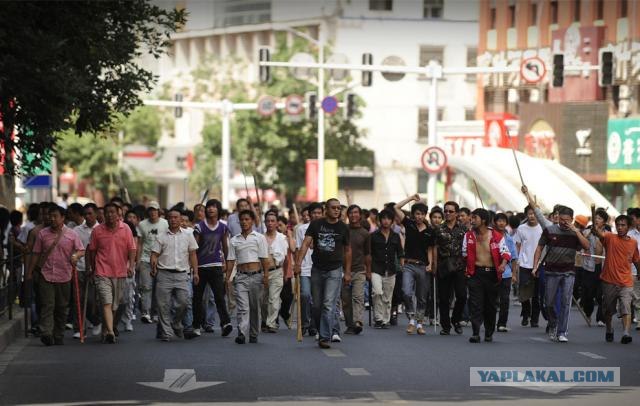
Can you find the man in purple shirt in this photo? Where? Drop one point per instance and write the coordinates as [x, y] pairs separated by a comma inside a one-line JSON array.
[[55, 252]]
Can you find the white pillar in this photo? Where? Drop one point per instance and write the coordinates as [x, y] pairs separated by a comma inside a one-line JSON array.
[[435, 73], [321, 196]]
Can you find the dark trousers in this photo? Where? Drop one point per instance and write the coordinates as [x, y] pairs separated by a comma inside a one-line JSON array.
[[54, 299], [286, 295], [453, 282], [397, 298], [215, 278], [592, 292], [503, 296], [531, 305], [483, 301]]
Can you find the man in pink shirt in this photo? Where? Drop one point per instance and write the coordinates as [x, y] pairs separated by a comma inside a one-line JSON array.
[[55, 252], [112, 255]]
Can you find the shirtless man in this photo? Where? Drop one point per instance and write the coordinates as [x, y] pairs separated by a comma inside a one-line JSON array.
[[487, 256]]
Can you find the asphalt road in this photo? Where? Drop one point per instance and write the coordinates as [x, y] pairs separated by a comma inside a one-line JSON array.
[[378, 366]]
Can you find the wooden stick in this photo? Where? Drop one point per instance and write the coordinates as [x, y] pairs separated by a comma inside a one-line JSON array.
[[584, 315], [255, 184], [478, 193], [84, 305], [204, 196], [78, 309], [515, 157], [298, 310], [584, 254]]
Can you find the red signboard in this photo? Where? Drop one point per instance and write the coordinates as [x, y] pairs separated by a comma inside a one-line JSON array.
[[495, 130], [312, 180]]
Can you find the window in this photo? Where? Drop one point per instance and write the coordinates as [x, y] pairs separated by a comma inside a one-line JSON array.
[[428, 53], [470, 114], [380, 5], [423, 123], [553, 9], [624, 8], [472, 61], [492, 18], [599, 9], [576, 10], [433, 8], [512, 16], [423, 179], [533, 15]]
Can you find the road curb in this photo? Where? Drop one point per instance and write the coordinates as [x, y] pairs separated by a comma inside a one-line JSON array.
[[10, 330]]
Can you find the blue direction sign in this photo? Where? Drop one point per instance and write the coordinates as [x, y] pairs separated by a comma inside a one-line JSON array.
[[37, 181], [330, 104]]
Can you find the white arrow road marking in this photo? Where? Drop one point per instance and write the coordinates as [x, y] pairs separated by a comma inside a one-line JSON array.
[[356, 371], [179, 381], [592, 355]]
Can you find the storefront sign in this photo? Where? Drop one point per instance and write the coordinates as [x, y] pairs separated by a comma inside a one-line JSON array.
[[623, 150]]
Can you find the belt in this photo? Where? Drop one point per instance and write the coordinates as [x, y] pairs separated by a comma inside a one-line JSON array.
[[486, 268], [171, 270], [249, 272], [413, 262], [275, 268]]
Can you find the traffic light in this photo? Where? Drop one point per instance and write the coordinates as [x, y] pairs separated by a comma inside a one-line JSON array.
[[177, 112], [265, 71], [312, 109], [605, 71], [367, 75], [558, 70], [350, 107]]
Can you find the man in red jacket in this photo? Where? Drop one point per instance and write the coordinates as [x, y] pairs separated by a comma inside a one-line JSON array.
[[487, 255]]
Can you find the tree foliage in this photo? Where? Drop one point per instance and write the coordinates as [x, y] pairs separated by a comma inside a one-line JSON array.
[[73, 59], [275, 147]]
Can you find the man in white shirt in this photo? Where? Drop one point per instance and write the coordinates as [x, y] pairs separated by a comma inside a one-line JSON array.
[[526, 239], [173, 258], [315, 213], [84, 231], [277, 246], [634, 232], [250, 251]]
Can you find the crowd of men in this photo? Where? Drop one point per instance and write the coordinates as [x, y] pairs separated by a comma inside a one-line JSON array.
[[450, 266]]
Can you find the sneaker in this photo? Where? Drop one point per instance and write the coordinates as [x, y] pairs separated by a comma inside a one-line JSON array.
[[421, 331], [76, 335], [271, 330], [394, 319], [553, 336], [488, 339], [226, 330], [191, 334], [110, 338], [358, 328], [178, 332], [608, 337], [524, 322], [600, 324], [324, 344], [534, 325], [317, 336], [240, 339], [146, 319], [385, 326], [378, 324], [474, 339], [350, 331], [457, 328], [253, 340], [97, 330], [336, 338], [313, 332], [68, 326], [563, 338], [502, 329], [411, 329], [444, 332], [46, 340], [128, 326], [209, 329], [626, 339]]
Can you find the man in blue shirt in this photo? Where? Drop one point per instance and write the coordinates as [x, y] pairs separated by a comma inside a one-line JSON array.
[[500, 221]]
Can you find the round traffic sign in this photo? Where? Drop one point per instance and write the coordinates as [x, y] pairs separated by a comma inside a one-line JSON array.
[[266, 106], [294, 105], [532, 70], [330, 104], [434, 160]]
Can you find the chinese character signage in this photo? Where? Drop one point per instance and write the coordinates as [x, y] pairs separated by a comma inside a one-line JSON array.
[[623, 150]]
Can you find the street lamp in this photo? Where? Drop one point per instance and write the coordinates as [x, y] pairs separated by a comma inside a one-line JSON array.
[[320, 42]]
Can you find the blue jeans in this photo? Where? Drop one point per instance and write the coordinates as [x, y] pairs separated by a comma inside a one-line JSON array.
[[415, 282], [325, 288], [558, 284], [305, 301]]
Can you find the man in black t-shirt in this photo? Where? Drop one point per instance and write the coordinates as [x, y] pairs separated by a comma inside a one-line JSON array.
[[417, 263], [329, 238]]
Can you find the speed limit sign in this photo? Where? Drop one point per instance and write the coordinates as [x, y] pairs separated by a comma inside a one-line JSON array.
[[434, 160], [266, 106]]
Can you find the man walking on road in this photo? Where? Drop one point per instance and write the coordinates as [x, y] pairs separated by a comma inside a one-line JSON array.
[[250, 251], [526, 239], [450, 268], [55, 252], [331, 255], [417, 263], [617, 279], [212, 237], [509, 276], [278, 247], [150, 229], [173, 258], [487, 256], [308, 325], [386, 249], [353, 295], [112, 255], [563, 240]]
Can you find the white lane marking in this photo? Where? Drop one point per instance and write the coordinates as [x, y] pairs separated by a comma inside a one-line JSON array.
[[334, 353], [592, 355], [386, 396], [180, 381], [357, 371], [544, 340]]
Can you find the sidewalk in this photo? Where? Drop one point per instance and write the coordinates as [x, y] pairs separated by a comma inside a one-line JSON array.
[[11, 329]]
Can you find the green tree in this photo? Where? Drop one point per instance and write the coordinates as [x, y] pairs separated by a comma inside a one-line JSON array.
[[277, 147], [71, 59]]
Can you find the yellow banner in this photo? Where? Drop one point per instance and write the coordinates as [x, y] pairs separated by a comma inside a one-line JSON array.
[[330, 178], [623, 175]]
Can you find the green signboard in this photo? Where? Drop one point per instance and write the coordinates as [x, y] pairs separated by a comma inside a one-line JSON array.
[[623, 150]]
